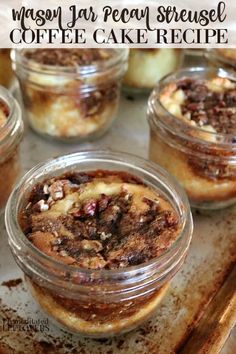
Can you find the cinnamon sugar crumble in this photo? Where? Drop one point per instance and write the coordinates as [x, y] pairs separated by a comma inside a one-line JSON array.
[[68, 57], [106, 230]]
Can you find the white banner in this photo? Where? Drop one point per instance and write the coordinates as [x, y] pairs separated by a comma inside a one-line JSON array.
[[117, 23]]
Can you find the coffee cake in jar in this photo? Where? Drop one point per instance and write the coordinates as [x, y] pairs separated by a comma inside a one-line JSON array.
[[103, 234], [70, 94], [192, 117]]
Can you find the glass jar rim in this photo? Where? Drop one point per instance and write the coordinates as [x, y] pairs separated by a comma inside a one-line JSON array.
[[18, 238], [14, 121], [225, 141], [120, 55]]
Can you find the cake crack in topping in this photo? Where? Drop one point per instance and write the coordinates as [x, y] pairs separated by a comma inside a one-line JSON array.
[[68, 57], [209, 104], [99, 219]]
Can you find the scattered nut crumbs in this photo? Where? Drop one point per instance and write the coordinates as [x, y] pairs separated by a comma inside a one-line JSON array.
[[12, 283]]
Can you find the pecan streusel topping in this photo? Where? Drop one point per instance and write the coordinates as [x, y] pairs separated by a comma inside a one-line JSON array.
[[68, 57], [209, 104], [99, 219]]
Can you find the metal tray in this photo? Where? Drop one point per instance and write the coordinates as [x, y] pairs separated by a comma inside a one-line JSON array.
[[199, 310]]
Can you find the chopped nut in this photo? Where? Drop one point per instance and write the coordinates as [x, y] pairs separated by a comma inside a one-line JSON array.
[[96, 262], [90, 207], [91, 245], [43, 206], [63, 253], [56, 190], [57, 241], [157, 201], [103, 202], [104, 236], [127, 197]]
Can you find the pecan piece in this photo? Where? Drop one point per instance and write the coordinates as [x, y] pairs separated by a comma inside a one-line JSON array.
[[103, 202], [91, 245], [90, 207], [41, 205], [56, 190]]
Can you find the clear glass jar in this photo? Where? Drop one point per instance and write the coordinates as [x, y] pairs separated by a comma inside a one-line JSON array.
[[222, 57], [147, 66], [203, 162], [71, 103], [6, 73], [100, 302], [10, 137]]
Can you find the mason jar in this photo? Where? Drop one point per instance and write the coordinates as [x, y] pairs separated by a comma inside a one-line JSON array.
[[99, 302], [147, 66], [222, 57], [70, 94], [11, 132], [202, 159]]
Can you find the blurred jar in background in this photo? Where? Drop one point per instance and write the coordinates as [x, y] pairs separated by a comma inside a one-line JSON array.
[[223, 57], [147, 66], [70, 94]]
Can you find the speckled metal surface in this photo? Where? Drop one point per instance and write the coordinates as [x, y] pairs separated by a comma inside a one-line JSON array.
[[207, 266]]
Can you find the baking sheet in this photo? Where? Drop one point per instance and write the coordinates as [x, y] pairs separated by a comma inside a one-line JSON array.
[[207, 267]]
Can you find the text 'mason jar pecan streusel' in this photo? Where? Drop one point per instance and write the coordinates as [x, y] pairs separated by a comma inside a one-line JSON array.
[[11, 132], [192, 117], [147, 66], [99, 235], [6, 73], [70, 94]]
